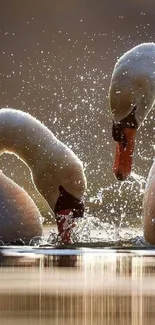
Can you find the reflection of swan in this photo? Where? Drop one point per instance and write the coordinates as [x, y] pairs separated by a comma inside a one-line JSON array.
[[132, 95], [56, 171]]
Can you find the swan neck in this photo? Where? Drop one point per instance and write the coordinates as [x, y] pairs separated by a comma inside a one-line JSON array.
[[20, 143]]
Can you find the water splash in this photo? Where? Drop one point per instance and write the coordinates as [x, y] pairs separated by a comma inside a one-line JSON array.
[[36, 241], [109, 212], [52, 237], [140, 180]]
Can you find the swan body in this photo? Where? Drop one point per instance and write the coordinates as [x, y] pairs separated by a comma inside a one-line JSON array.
[[132, 96], [56, 171], [149, 207], [19, 216]]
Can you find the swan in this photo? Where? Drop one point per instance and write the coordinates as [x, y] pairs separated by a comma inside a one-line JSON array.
[[20, 218], [131, 97], [57, 173]]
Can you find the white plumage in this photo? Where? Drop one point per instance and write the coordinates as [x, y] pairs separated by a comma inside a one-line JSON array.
[[50, 161], [133, 86]]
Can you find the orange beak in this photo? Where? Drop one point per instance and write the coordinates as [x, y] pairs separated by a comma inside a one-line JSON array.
[[123, 155]]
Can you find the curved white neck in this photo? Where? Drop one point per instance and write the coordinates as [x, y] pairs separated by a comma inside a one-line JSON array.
[[22, 141], [51, 162]]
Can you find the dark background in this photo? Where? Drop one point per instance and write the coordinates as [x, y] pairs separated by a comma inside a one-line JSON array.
[[56, 60]]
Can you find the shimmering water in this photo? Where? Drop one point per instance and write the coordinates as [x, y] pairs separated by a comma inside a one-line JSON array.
[[107, 279], [100, 286]]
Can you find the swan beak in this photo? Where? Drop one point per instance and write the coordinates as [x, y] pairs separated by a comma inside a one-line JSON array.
[[124, 154]]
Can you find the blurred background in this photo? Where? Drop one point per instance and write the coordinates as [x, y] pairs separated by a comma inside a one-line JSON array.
[[56, 61]]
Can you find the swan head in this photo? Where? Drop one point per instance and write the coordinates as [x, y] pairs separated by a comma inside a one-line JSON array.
[[67, 203], [131, 97], [66, 200], [67, 209]]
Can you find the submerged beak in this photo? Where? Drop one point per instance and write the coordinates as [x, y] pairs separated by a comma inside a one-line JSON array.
[[124, 154], [67, 209]]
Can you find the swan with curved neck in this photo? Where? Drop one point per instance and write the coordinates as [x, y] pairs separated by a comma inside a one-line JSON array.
[[56, 171], [132, 95]]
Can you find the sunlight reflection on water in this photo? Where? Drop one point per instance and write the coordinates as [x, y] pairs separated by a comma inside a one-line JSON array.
[[104, 288]]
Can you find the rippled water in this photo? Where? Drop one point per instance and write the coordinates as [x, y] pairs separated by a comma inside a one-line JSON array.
[[100, 286]]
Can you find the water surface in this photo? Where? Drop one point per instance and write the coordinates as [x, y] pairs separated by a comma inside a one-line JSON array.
[[80, 285]]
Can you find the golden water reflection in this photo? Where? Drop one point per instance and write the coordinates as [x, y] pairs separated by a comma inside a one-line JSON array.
[[104, 288]]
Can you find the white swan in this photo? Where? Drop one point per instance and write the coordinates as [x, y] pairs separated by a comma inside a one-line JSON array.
[[132, 95], [19, 216], [56, 171]]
